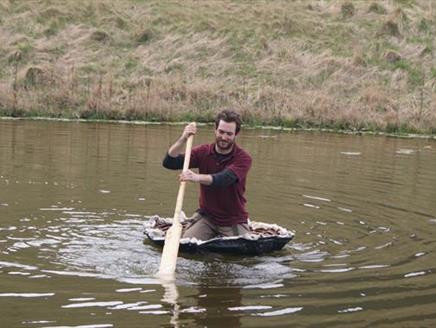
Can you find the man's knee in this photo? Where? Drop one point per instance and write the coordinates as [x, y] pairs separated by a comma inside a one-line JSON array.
[[200, 229], [234, 230]]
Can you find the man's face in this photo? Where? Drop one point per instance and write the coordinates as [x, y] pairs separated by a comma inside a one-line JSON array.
[[225, 135]]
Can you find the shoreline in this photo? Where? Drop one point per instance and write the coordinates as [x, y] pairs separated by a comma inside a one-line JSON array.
[[341, 65], [246, 126]]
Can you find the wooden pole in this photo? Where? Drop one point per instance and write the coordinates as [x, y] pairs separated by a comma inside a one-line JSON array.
[[172, 239]]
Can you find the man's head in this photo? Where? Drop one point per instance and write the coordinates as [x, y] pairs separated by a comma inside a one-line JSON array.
[[227, 126], [229, 116]]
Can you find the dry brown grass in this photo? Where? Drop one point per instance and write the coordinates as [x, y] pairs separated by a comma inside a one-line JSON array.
[[302, 63]]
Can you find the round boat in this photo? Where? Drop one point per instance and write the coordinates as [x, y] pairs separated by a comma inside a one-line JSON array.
[[263, 238]]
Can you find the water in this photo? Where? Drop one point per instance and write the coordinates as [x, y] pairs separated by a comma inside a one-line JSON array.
[[74, 196]]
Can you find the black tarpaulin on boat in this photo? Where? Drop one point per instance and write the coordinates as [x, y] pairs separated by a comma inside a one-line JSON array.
[[264, 238]]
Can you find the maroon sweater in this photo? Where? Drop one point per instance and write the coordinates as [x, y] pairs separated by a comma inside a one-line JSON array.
[[224, 204]]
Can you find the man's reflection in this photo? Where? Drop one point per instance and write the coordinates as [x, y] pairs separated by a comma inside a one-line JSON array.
[[216, 294], [209, 307], [216, 301]]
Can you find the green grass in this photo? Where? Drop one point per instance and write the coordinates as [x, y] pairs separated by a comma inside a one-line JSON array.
[[288, 63], [433, 73], [406, 3]]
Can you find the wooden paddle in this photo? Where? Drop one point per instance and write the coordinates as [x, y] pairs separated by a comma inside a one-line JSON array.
[[171, 248]]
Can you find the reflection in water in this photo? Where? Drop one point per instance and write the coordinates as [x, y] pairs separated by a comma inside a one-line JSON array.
[[211, 304], [217, 300], [170, 297], [73, 198]]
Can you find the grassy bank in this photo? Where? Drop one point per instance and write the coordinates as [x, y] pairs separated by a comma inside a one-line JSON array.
[[362, 65]]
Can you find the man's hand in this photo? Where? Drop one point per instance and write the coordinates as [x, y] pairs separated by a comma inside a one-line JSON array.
[[178, 147], [188, 175], [190, 129]]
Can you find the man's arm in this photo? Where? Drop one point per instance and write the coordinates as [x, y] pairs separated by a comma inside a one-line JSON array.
[[224, 178], [174, 158], [218, 180], [173, 163], [188, 175], [179, 146]]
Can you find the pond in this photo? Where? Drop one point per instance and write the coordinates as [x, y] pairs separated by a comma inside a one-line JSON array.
[[74, 197]]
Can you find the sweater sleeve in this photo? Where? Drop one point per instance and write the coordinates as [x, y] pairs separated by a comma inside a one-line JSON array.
[[223, 179], [173, 163], [241, 166]]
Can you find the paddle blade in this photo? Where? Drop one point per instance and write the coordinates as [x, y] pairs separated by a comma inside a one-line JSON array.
[[169, 254]]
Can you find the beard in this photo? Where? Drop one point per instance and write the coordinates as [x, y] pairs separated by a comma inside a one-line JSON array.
[[223, 145]]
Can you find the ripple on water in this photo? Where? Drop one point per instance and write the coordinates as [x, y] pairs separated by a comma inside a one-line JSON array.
[[403, 151], [92, 304], [350, 153], [128, 306], [264, 286], [128, 290], [4, 264], [193, 309], [288, 310], [250, 308], [104, 325], [94, 245], [348, 310], [317, 198], [26, 295], [256, 310], [415, 274], [228, 271], [103, 248]]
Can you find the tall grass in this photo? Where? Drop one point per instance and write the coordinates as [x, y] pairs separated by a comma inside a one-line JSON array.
[[339, 64]]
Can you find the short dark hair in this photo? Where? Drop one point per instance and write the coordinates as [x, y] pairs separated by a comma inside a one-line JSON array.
[[229, 115]]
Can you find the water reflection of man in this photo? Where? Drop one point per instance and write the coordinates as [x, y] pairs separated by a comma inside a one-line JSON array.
[[222, 171], [214, 303], [217, 302]]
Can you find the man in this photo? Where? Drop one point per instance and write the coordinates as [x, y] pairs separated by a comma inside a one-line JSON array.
[[222, 171]]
